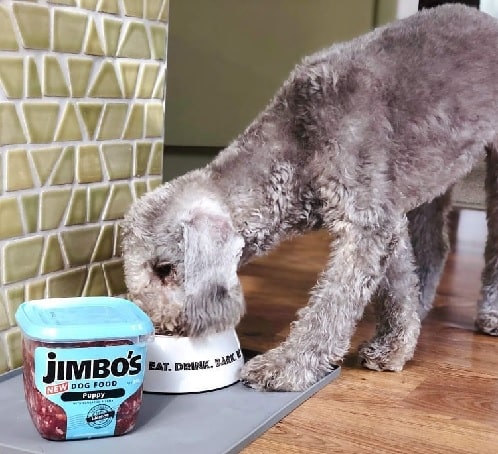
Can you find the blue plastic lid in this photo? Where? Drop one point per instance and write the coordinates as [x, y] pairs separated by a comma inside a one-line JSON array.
[[82, 319]]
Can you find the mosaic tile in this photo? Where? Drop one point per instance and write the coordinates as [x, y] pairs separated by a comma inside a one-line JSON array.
[[97, 199], [153, 183], [105, 244], [160, 86], [134, 128], [147, 80], [112, 121], [52, 256], [30, 205], [93, 44], [64, 170], [63, 2], [11, 131], [79, 75], [115, 277], [112, 30], [135, 43], [156, 159], [69, 127], [21, 259], [3, 303], [95, 284], [77, 207], [14, 347], [9, 209], [158, 38], [106, 84], [129, 75], [54, 83], [109, 6], [68, 31], [152, 9], [154, 122], [88, 4], [164, 16], [69, 200], [118, 160], [36, 290], [18, 175], [7, 37], [120, 200], [41, 119], [4, 319], [33, 87], [4, 360], [53, 206], [79, 244], [34, 25], [67, 284], [45, 160], [142, 153], [12, 76], [140, 188], [15, 296], [133, 8], [89, 169], [90, 113], [117, 240]]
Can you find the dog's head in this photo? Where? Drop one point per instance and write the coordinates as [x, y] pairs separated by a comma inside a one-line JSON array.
[[181, 253]]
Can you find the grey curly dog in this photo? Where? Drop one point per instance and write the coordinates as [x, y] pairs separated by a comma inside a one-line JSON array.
[[364, 139]]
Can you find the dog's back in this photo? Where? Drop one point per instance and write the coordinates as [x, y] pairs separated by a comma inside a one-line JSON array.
[[406, 101]]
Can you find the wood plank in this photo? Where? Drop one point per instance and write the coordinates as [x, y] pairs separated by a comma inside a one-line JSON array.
[[445, 400]]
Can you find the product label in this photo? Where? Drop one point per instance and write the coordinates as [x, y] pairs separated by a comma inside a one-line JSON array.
[[90, 384]]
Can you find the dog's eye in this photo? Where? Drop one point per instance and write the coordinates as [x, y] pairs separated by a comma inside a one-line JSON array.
[[163, 270]]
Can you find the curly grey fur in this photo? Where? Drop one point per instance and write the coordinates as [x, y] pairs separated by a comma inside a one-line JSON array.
[[365, 138]]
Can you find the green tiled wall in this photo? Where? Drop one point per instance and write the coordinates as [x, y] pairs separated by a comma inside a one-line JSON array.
[[81, 137]]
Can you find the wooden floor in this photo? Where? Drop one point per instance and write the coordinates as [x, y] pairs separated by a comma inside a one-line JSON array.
[[445, 400]]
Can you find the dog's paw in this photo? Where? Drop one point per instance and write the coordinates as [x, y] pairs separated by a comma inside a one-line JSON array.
[[377, 355], [275, 371], [487, 322]]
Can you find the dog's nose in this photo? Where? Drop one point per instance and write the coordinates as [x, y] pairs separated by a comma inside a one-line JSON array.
[[163, 270]]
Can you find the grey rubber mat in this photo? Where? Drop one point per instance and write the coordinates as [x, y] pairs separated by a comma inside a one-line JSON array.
[[216, 422]]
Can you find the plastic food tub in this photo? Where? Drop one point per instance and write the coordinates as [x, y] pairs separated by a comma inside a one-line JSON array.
[[84, 364]]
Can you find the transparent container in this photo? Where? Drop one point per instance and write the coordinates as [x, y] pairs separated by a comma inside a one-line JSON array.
[[84, 364]]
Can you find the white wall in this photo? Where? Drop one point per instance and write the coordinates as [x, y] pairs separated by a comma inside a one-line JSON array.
[[490, 7], [405, 8]]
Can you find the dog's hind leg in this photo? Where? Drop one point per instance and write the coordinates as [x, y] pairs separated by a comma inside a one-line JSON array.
[[398, 323], [321, 336], [428, 227], [487, 312]]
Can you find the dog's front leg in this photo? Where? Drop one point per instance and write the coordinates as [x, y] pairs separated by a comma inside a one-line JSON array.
[[321, 336]]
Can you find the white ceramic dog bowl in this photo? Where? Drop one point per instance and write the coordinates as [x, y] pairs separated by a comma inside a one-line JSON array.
[[185, 365]]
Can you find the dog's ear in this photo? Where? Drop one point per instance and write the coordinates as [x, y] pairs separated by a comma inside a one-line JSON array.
[[212, 253]]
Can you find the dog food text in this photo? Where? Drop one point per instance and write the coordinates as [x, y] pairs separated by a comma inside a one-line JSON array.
[[96, 368]]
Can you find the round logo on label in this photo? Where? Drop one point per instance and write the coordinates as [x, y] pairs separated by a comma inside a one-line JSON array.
[[100, 416]]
